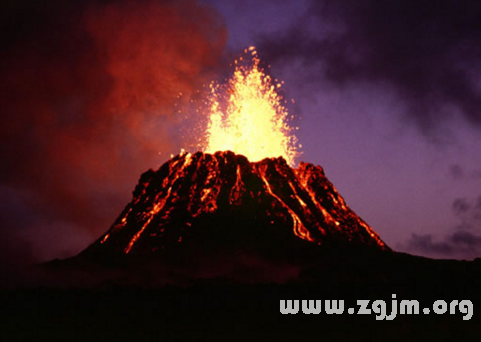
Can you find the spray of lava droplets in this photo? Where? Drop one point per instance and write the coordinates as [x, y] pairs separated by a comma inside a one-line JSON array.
[[247, 115]]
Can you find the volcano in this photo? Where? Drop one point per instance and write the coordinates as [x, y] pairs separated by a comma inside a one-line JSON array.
[[214, 240], [222, 201]]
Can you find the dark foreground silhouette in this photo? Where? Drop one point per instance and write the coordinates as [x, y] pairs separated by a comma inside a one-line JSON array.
[[126, 300]]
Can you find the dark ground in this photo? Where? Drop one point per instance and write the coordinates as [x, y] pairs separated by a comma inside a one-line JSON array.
[[231, 310]]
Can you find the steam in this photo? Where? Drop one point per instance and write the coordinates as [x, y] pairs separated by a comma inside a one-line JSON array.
[[87, 95]]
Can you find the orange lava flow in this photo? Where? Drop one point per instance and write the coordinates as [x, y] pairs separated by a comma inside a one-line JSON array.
[[299, 229], [105, 238], [327, 216], [246, 116], [155, 210], [236, 191], [173, 175]]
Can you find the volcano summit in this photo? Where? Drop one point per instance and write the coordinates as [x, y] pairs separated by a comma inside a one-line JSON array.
[[242, 201], [222, 200]]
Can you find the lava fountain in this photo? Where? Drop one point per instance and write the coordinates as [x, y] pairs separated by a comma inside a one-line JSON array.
[[247, 115], [243, 192]]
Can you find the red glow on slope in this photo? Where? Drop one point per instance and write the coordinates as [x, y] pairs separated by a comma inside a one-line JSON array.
[[298, 227], [193, 188]]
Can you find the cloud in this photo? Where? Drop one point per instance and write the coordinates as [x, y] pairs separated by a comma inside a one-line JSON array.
[[463, 242], [426, 52], [461, 206], [468, 211], [456, 172], [87, 95]]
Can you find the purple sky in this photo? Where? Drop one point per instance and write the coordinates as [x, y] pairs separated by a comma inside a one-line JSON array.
[[402, 171], [387, 100]]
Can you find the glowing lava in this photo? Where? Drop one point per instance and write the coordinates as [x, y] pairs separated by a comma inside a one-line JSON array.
[[247, 115], [244, 183], [228, 196]]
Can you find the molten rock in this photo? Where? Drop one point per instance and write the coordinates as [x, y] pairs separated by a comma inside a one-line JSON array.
[[224, 202]]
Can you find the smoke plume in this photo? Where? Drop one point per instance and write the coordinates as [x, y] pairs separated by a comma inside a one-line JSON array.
[[87, 96]]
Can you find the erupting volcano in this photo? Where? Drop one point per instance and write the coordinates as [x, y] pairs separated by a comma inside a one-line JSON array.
[[243, 192], [247, 115]]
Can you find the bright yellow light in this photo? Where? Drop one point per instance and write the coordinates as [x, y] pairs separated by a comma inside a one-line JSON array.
[[247, 116]]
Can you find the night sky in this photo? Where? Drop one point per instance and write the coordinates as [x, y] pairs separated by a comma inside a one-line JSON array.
[[387, 98]]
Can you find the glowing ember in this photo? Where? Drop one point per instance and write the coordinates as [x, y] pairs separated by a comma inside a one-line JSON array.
[[247, 116]]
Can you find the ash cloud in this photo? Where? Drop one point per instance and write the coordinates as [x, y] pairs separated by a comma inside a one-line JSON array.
[[87, 95], [426, 52]]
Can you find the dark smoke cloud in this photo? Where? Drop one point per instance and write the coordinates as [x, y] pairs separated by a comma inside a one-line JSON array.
[[87, 95], [427, 52], [465, 239]]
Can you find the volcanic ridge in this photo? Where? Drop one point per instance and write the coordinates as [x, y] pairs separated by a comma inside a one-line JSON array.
[[223, 201]]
